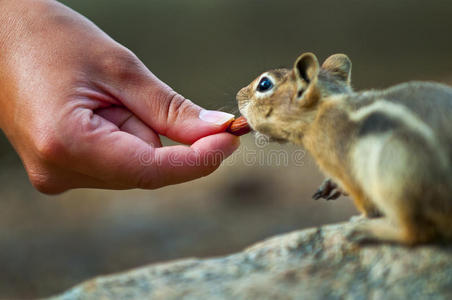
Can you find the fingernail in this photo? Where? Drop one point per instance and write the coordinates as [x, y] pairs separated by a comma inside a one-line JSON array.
[[215, 117]]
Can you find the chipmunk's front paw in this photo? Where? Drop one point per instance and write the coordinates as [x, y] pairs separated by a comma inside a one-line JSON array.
[[328, 190]]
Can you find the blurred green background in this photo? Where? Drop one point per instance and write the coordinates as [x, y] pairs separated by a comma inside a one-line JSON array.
[[207, 50]]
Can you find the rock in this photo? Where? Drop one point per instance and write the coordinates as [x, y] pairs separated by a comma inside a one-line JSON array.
[[317, 263]]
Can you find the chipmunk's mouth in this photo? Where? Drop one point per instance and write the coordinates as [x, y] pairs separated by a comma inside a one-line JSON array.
[[243, 107]]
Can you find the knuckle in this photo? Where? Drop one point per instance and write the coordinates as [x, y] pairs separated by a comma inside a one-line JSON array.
[[148, 182], [210, 168], [147, 173], [173, 107], [207, 171], [175, 103], [48, 148], [120, 63], [43, 182]]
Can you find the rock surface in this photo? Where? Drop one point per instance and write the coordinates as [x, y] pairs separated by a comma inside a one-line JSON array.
[[317, 263]]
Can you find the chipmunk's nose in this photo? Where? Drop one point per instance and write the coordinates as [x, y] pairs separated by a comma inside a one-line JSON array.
[[242, 94]]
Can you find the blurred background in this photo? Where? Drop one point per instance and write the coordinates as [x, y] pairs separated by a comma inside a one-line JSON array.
[[207, 50]]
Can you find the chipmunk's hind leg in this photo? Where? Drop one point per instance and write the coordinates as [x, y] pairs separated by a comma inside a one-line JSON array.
[[375, 230], [408, 231], [404, 186]]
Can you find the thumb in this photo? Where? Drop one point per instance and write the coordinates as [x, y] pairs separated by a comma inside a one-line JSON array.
[[169, 113]]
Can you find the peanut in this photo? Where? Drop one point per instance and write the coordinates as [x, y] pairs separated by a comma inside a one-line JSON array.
[[239, 126]]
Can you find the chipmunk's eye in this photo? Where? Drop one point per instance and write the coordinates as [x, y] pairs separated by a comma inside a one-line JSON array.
[[264, 85]]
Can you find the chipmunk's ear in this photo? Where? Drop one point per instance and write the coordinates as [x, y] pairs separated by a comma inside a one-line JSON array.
[[306, 70], [306, 67], [340, 66]]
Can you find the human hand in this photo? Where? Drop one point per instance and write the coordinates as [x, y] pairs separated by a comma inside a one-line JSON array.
[[83, 111]]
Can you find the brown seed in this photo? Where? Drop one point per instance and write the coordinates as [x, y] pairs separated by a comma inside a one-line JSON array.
[[239, 126]]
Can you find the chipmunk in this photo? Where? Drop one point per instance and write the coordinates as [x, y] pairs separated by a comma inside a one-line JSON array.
[[390, 150]]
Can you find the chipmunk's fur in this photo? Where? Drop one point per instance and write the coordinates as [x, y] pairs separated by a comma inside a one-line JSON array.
[[390, 150]]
